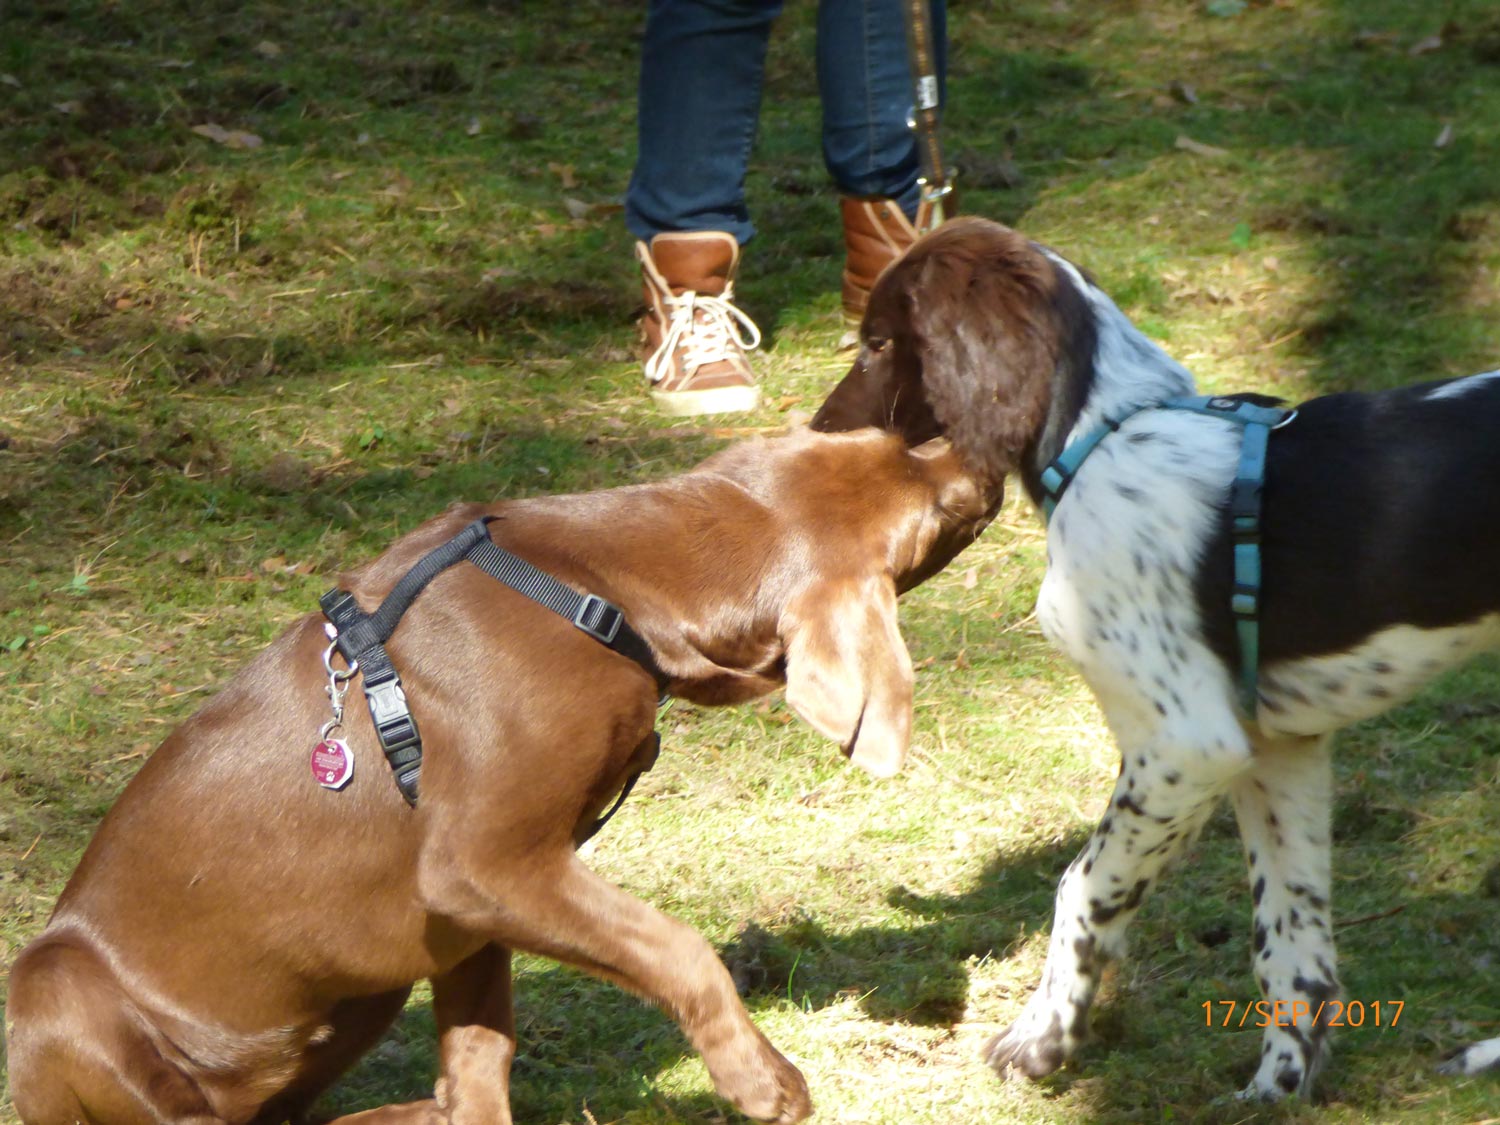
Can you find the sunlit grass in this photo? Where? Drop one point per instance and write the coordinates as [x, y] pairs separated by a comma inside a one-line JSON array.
[[225, 374]]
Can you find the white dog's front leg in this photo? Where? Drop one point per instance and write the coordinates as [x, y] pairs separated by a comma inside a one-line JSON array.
[[1165, 792]]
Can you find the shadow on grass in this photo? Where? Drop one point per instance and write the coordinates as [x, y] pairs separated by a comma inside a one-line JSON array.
[[178, 475], [1403, 225], [1433, 951], [1403, 211], [578, 1033]]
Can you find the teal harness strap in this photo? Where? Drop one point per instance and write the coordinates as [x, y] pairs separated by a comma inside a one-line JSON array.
[[1244, 509], [1059, 474]]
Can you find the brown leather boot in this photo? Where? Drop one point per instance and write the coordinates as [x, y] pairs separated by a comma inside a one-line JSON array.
[[876, 233], [693, 336]]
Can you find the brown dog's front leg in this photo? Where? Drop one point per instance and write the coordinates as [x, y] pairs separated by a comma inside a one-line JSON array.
[[477, 1043], [411, 1113], [564, 911], [476, 1037]]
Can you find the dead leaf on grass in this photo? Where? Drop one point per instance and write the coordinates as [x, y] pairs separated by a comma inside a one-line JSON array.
[[1183, 92], [1426, 46], [564, 172], [1365, 37], [1444, 138], [10, 80], [1198, 148], [267, 49], [229, 138]]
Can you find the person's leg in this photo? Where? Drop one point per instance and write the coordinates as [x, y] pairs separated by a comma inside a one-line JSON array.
[[865, 78], [702, 64]]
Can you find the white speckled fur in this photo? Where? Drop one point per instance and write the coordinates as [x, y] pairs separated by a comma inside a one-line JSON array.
[[1379, 534], [1124, 547], [1320, 694]]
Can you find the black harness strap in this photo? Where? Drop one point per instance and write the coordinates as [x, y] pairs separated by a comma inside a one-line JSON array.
[[598, 618], [362, 636]]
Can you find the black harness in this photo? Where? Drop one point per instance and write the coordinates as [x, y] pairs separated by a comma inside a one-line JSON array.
[[361, 641]]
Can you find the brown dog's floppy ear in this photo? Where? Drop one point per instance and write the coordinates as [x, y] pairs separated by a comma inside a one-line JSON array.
[[848, 672]]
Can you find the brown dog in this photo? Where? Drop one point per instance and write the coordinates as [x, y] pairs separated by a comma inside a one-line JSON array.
[[235, 936]]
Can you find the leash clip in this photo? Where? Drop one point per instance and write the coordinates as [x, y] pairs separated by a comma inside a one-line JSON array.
[[338, 682], [332, 762]]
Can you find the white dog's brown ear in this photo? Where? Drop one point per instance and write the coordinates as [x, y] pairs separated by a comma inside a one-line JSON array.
[[983, 329], [848, 672]]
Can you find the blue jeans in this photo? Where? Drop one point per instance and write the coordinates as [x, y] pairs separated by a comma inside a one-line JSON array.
[[702, 65]]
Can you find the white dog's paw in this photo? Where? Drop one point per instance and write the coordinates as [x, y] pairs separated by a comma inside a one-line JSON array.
[[1473, 1059]]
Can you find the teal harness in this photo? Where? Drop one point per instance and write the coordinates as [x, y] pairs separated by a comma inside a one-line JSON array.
[[1257, 422]]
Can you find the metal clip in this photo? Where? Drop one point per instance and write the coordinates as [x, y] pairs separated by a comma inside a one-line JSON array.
[[337, 684]]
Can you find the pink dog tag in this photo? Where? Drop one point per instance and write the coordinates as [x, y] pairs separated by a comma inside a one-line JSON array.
[[332, 763]]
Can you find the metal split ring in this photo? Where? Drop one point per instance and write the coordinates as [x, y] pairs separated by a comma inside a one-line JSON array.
[[334, 674]]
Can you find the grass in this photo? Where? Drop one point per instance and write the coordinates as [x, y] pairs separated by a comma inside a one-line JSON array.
[[225, 372]]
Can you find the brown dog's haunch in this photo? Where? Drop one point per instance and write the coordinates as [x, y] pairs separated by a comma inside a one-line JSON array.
[[236, 936]]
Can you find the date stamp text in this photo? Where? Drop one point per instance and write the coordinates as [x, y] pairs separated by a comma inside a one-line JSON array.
[[1290, 1013]]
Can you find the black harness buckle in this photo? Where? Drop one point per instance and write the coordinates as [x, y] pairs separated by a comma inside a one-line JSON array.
[[598, 618]]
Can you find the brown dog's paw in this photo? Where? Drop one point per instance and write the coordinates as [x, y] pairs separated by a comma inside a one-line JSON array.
[[768, 1089]]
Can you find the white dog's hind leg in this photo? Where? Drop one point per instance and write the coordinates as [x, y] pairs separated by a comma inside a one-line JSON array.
[[1283, 807], [1476, 1057]]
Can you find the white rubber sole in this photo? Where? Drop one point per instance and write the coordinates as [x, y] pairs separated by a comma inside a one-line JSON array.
[[710, 400]]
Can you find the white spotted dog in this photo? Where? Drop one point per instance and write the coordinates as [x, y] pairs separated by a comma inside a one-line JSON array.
[[1379, 529]]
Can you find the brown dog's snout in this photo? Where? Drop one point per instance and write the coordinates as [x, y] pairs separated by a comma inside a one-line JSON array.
[[965, 501], [964, 496]]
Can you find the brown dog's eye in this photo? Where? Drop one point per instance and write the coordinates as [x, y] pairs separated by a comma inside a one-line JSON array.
[[878, 343]]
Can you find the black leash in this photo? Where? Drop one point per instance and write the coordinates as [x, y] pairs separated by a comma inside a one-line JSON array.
[[361, 641], [937, 179]]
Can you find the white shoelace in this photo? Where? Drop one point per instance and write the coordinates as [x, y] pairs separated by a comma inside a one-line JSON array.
[[708, 339]]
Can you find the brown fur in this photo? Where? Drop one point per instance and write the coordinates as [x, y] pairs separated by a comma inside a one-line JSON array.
[[235, 936]]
